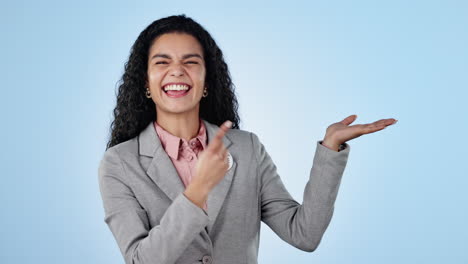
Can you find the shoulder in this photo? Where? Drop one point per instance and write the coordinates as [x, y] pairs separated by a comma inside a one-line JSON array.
[[245, 142], [114, 155], [243, 136], [238, 135], [124, 148], [235, 135]]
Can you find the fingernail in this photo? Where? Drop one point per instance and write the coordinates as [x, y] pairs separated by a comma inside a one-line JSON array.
[[395, 121], [228, 124]]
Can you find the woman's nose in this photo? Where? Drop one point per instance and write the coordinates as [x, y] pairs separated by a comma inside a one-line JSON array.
[[177, 69]]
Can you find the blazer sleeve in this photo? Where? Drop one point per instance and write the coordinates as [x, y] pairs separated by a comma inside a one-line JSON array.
[[129, 224], [301, 225]]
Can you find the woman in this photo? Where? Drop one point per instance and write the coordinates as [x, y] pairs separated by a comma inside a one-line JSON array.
[[180, 182]]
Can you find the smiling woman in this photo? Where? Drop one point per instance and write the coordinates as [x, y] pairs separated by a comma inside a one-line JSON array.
[[174, 49], [180, 182], [176, 58]]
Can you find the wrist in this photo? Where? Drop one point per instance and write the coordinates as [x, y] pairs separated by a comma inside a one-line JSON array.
[[331, 144], [197, 193], [199, 186]]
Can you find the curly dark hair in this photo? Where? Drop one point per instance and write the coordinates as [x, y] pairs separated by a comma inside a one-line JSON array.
[[134, 111]]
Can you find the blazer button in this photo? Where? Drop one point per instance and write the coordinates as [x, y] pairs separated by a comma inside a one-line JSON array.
[[207, 259]]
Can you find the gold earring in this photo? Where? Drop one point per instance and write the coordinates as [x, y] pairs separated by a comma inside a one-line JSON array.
[[205, 92], [148, 93]]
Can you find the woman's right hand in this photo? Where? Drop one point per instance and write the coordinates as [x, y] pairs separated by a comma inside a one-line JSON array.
[[212, 162]]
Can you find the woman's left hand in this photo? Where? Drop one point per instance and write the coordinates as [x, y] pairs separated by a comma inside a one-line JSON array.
[[339, 133]]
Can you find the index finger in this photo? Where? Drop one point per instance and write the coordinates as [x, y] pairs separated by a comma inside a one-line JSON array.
[[215, 144], [385, 122]]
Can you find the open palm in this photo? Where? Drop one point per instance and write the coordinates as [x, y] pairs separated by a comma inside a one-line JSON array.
[[340, 132]]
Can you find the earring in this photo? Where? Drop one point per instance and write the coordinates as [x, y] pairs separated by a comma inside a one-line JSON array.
[[148, 93], [205, 92]]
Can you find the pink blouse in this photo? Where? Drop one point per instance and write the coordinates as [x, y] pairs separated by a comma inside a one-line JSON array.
[[184, 155]]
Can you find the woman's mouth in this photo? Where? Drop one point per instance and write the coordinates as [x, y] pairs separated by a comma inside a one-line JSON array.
[[176, 91]]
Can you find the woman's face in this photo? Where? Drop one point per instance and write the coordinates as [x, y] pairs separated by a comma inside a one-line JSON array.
[[176, 58]]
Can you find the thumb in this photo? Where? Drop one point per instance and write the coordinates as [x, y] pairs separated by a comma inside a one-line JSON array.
[[227, 124], [348, 120]]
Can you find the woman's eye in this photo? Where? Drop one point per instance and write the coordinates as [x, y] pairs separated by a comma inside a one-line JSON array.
[[163, 62]]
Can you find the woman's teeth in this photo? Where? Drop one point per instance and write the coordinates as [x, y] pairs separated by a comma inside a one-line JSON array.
[[175, 88]]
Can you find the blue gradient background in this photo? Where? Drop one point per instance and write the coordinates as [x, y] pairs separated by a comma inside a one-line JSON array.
[[298, 67]]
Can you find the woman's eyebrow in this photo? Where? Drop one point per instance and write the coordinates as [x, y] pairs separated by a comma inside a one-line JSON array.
[[162, 55]]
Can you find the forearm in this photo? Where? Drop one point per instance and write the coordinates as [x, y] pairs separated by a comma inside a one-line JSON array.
[[301, 225], [321, 191], [141, 241], [166, 242]]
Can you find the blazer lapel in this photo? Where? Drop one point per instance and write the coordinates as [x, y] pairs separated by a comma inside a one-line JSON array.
[[163, 173], [161, 170]]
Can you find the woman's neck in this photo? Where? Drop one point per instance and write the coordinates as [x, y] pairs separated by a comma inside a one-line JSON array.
[[184, 126]]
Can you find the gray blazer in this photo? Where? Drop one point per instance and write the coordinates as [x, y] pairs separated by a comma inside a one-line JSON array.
[[154, 222]]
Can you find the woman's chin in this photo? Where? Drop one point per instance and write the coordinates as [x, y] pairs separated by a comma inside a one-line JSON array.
[[179, 109]]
